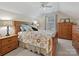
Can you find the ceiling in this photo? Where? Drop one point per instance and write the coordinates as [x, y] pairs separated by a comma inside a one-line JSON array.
[[25, 9]]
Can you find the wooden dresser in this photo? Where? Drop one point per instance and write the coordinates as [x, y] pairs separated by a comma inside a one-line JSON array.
[[65, 30], [0, 47], [75, 37], [8, 43]]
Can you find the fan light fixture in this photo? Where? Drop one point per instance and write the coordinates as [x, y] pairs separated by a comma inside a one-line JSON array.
[[46, 4]]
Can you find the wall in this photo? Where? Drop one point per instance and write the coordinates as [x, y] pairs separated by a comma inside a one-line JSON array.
[[39, 11], [30, 12], [3, 31], [61, 15], [41, 20], [3, 27], [5, 13], [53, 10], [71, 9]]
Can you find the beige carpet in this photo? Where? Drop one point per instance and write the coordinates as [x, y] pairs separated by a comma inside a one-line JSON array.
[[65, 48]]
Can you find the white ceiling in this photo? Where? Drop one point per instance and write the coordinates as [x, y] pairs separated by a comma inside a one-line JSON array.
[[33, 9], [24, 9]]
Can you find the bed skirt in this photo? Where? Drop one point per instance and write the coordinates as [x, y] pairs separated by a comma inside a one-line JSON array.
[[35, 49]]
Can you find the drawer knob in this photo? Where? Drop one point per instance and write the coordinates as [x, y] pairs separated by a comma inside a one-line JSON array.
[[9, 40], [8, 47]]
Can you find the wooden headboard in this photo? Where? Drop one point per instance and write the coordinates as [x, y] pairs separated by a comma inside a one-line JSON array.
[[17, 25]]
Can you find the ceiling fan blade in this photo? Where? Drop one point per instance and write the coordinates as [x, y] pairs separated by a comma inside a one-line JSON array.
[[49, 6], [45, 4]]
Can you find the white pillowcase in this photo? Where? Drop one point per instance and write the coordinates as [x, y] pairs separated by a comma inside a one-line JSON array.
[[25, 27]]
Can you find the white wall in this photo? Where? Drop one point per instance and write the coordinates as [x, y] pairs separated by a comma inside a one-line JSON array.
[[41, 19], [70, 8], [26, 11], [5, 13]]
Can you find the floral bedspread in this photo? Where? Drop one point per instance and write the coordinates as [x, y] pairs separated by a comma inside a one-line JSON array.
[[41, 39]]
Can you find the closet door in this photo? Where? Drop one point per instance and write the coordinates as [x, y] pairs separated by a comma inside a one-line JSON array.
[[51, 23]]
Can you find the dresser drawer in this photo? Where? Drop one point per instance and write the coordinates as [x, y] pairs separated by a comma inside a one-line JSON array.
[[14, 45], [9, 47], [75, 27], [0, 47], [5, 49], [75, 37], [7, 41], [0, 43]]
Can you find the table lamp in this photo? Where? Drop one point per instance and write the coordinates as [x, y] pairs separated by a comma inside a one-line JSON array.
[[6, 23]]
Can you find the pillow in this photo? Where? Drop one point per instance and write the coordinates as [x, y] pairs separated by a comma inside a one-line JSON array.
[[35, 29], [25, 27]]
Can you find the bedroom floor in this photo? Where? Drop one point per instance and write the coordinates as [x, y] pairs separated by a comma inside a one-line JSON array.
[[65, 48]]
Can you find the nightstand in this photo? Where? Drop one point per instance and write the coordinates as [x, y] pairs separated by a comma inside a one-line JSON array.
[[8, 43]]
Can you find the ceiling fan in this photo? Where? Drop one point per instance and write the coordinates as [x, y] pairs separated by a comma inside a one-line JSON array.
[[46, 4]]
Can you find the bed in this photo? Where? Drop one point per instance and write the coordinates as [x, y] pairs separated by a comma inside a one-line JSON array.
[[41, 41]]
